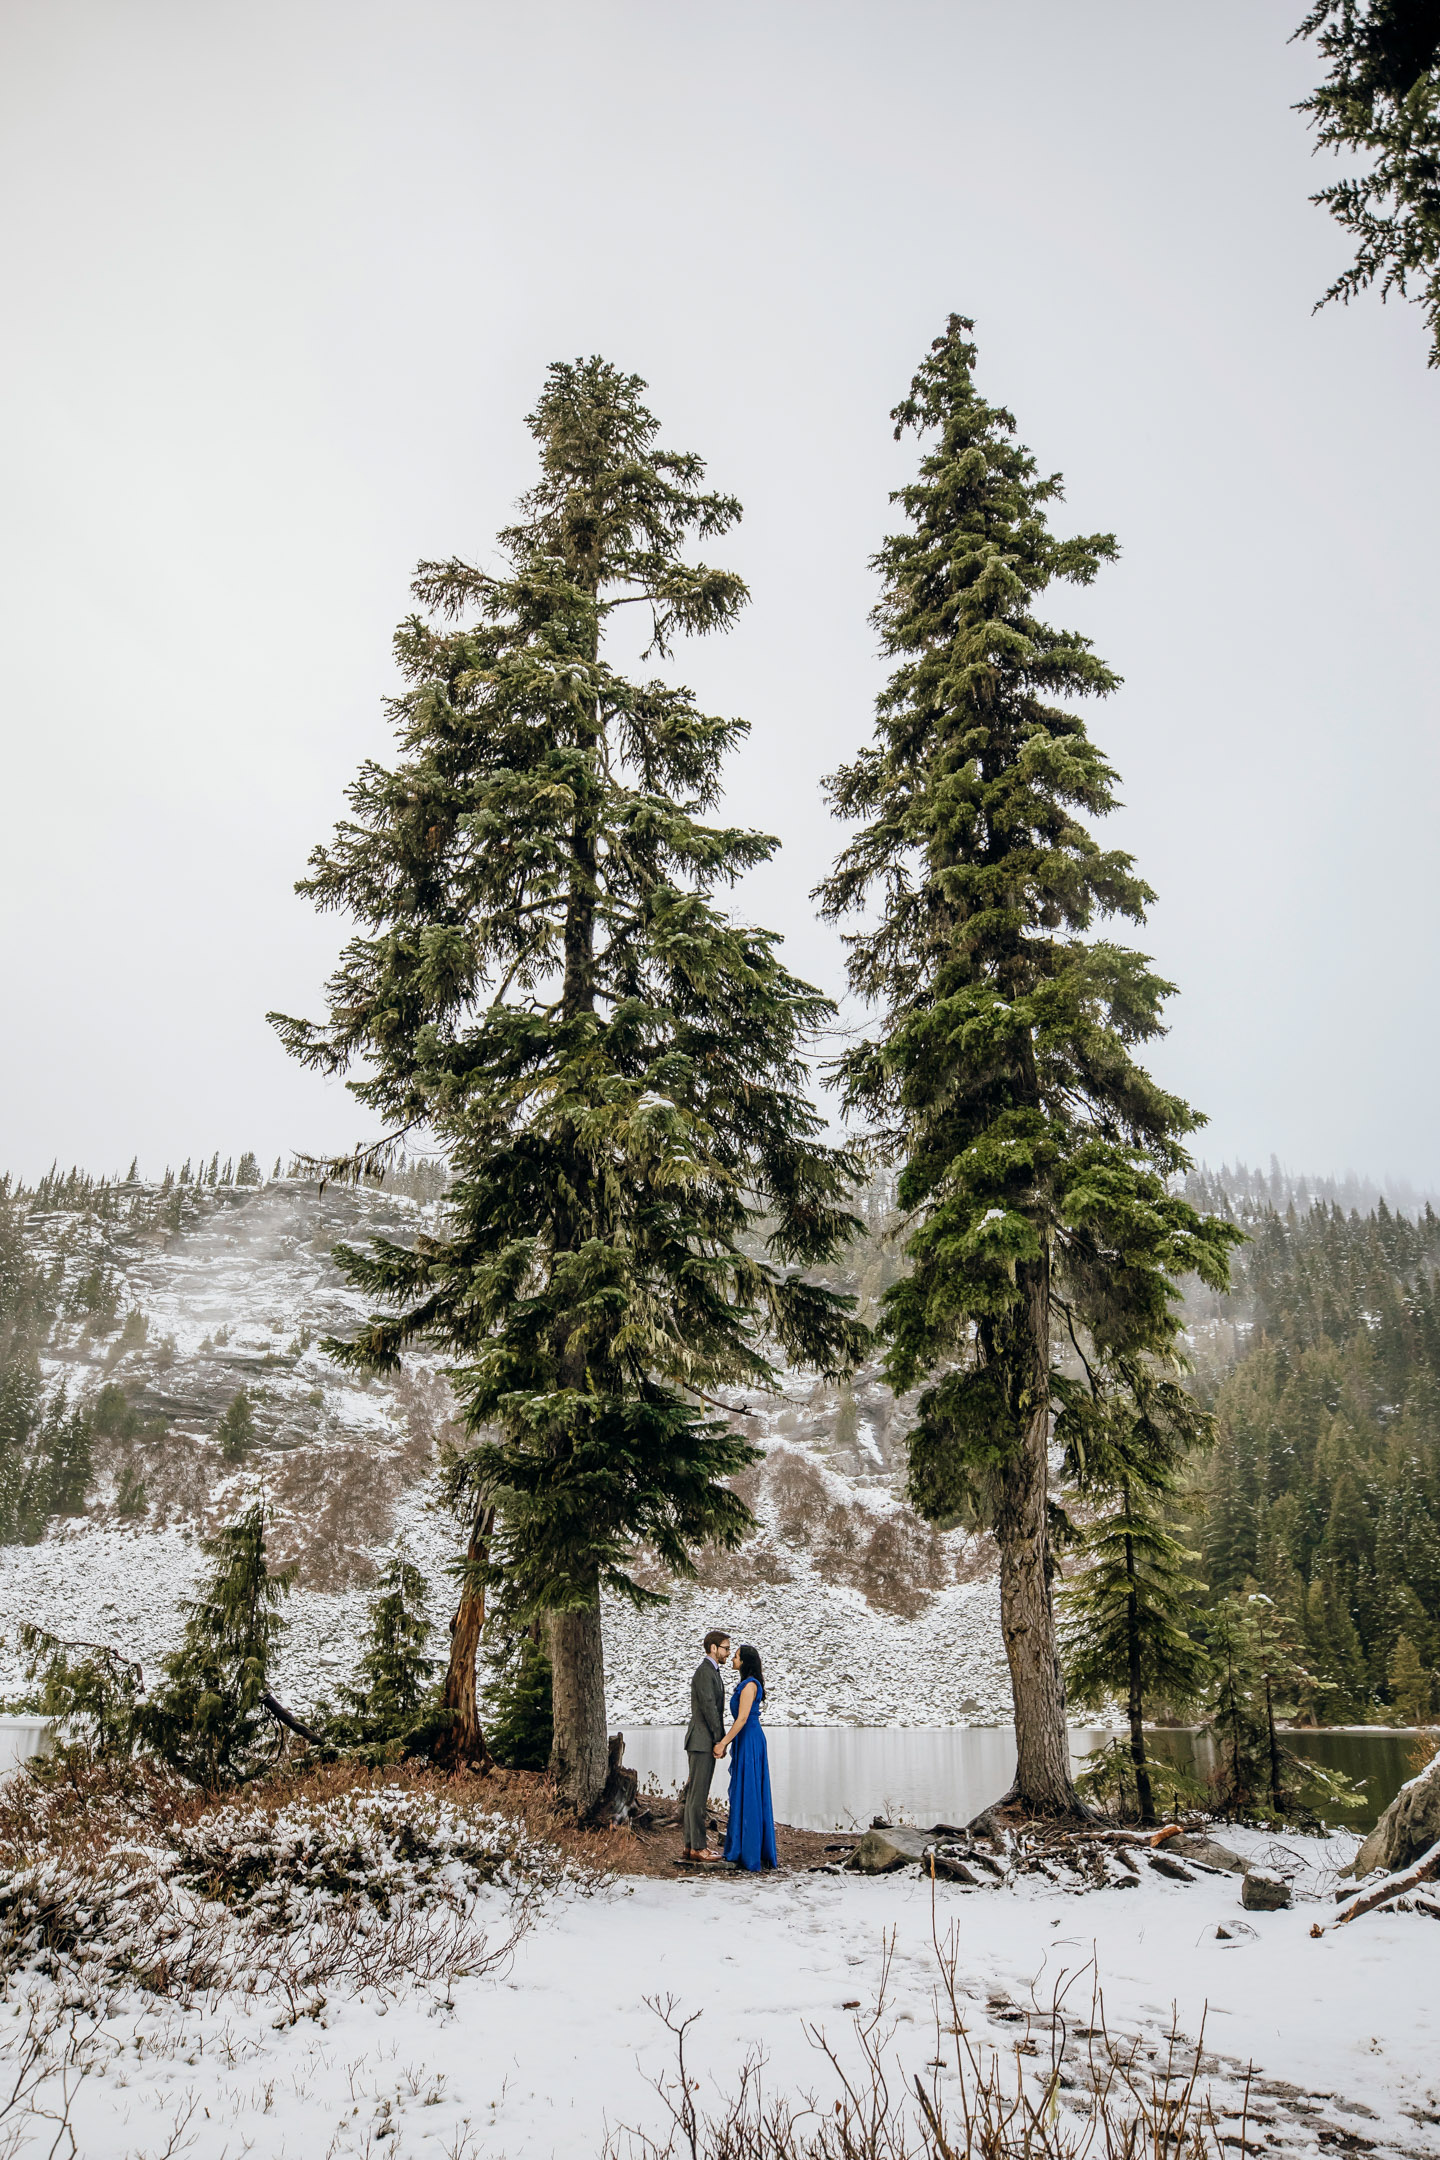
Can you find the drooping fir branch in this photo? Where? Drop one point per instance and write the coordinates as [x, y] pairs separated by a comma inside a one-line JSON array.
[[1381, 99]]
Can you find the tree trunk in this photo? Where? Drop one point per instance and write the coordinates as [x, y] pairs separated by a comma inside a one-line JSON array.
[[1276, 1799], [580, 1752], [463, 1741], [1043, 1785], [1136, 1702]]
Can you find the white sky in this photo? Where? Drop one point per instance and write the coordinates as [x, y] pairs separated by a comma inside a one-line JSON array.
[[281, 282]]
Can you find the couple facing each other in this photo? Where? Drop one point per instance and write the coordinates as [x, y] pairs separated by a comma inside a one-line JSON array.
[[750, 1837]]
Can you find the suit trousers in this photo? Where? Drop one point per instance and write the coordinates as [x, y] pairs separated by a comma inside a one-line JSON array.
[[697, 1799]]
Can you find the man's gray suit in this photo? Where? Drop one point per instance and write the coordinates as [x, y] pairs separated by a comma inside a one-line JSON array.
[[706, 1727]]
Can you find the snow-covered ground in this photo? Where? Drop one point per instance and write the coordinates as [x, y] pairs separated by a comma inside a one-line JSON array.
[[1342, 2032]]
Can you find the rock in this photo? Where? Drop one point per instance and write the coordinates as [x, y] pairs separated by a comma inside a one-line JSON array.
[[1407, 1829], [1263, 1892], [880, 1851], [1206, 1853], [1222, 1934]]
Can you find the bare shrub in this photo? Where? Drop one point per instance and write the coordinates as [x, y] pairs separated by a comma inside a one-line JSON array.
[[800, 1494], [370, 1880], [1040, 2100]]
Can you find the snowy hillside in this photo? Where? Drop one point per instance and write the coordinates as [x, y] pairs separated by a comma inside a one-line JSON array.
[[864, 1613]]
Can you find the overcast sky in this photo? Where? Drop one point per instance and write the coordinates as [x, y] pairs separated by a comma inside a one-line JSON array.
[[280, 285]]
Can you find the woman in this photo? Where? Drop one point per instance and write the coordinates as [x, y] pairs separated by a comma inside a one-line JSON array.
[[750, 1839]]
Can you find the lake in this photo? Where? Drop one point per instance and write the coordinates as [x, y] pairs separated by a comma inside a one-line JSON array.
[[838, 1777]]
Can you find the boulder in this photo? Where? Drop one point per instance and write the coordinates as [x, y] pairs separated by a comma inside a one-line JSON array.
[[881, 1850], [1407, 1829], [1263, 1892], [1206, 1852]]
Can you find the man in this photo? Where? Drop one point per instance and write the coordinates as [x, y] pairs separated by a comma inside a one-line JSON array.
[[702, 1736]]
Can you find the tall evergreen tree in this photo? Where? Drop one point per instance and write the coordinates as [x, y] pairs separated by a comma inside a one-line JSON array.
[[1036, 1152], [613, 1068]]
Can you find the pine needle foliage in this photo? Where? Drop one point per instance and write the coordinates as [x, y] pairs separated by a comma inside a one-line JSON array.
[[1128, 1605], [394, 1673], [520, 1707], [1036, 1153], [236, 1429], [1381, 99], [612, 1066], [207, 1718]]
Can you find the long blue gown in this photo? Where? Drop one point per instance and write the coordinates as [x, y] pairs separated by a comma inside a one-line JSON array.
[[750, 1839]]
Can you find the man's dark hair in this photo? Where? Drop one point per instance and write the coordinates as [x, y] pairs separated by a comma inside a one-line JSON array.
[[750, 1666], [716, 1635]]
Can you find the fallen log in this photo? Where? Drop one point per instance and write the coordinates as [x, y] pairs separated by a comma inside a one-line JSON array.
[[1427, 1871], [284, 1717]]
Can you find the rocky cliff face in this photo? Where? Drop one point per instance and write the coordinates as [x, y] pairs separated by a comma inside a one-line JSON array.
[[170, 1307]]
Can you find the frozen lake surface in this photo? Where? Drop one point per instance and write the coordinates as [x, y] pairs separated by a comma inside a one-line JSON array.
[[838, 1777]]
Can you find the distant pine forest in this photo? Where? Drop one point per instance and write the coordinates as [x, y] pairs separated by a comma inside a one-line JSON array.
[[1320, 1495]]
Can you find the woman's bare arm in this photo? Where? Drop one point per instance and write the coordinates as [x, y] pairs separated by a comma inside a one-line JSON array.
[[747, 1703]]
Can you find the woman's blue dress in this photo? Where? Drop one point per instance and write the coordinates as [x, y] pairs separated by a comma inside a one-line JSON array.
[[750, 1839]]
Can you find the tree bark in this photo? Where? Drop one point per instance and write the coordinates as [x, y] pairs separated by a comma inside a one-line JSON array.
[[580, 1751], [1136, 1703], [1043, 1784], [463, 1741]]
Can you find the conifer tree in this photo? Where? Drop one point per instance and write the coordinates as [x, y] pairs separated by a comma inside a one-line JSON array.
[[520, 1707], [1381, 100], [394, 1671], [207, 1717], [1036, 1152], [1409, 1683], [613, 1068], [1236, 1717], [1127, 1610], [236, 1429]]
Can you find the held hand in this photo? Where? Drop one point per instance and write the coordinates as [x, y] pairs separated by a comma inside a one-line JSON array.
[[720, 1747]]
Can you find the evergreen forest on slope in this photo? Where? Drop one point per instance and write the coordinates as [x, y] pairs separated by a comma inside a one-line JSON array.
[[1322, 1366]]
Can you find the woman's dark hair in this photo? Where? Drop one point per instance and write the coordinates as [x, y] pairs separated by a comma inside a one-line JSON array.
[[750, 1666]]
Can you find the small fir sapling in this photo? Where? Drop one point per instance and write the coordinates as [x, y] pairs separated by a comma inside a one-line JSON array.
[[207, 1718], [393, 1677], [1128, 1606], [520, 1706], [1036, 1156], [1259, 1671], [236, 1429], [131, 1501]]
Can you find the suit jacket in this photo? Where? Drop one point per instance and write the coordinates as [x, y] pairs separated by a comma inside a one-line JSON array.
[[707, 1709]]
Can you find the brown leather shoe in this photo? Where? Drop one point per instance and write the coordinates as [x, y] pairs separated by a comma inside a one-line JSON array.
[[707, 1859]]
